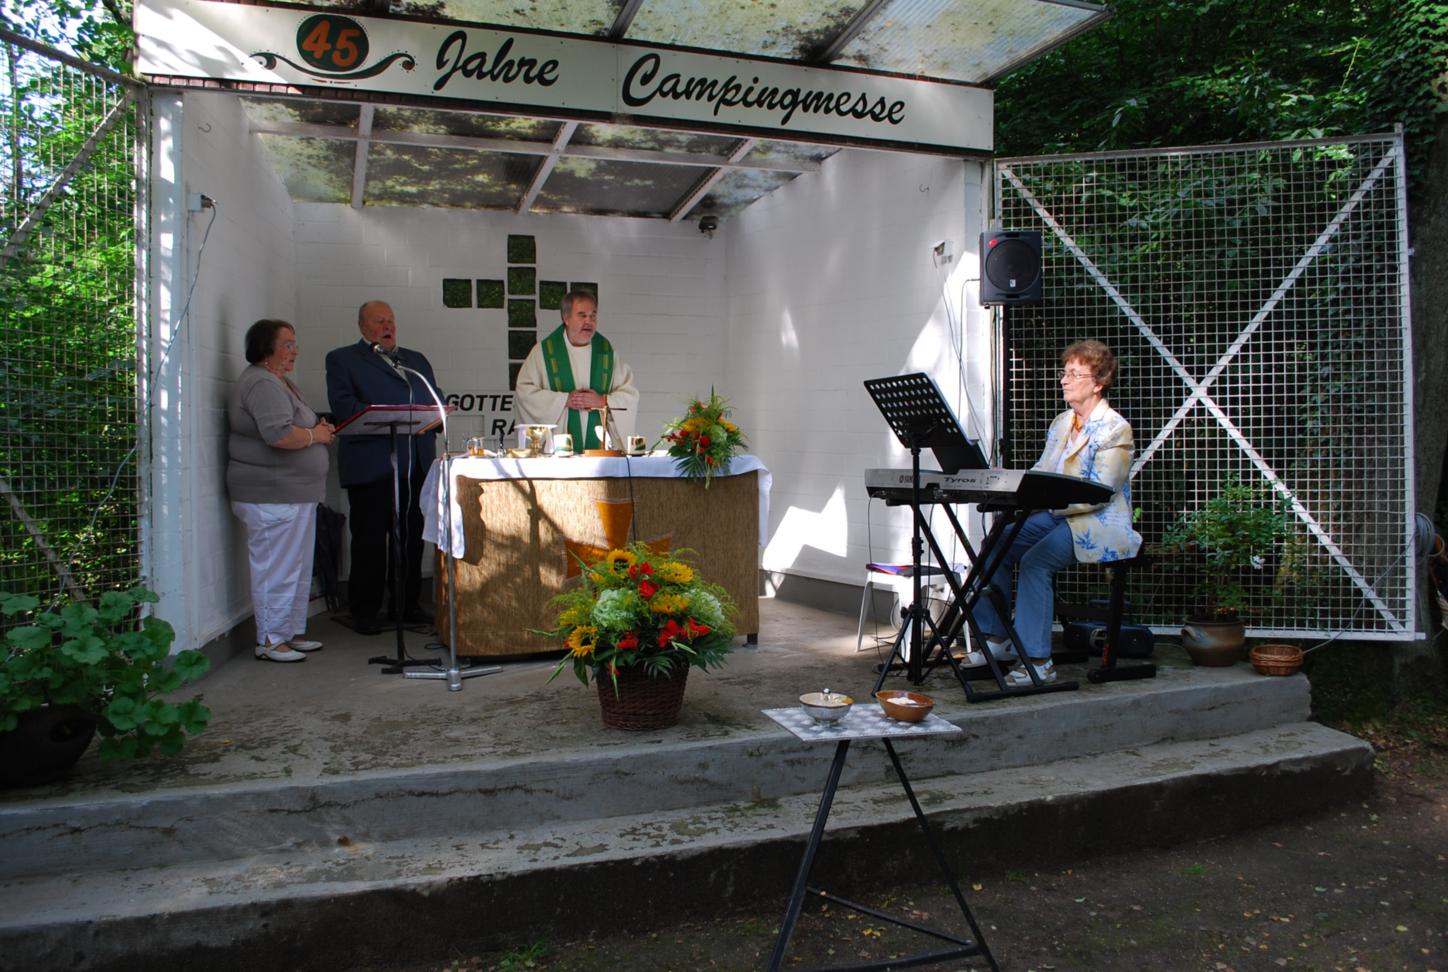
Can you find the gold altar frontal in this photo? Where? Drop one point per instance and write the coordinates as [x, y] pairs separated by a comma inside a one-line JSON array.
[[517, 534]]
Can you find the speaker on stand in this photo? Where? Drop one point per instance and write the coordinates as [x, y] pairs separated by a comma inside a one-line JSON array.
[[1010, 267]]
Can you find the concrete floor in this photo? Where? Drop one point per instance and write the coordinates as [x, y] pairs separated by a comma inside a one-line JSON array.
[[336, 715]]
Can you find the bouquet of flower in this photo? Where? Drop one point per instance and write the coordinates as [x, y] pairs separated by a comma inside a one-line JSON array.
[[704, 441], [639, 607]]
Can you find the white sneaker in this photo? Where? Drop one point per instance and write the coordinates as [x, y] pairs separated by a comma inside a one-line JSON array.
[[279, 652], [303, 645], [1018, 677]]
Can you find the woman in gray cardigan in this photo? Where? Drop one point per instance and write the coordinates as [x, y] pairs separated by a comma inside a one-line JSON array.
[[276, 475]]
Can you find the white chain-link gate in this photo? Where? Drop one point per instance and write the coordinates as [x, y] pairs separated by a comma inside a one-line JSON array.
[[69, 511], [1256, 296]]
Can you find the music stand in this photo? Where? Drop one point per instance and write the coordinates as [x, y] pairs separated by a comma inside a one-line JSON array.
[[921, 419], [389, 420]]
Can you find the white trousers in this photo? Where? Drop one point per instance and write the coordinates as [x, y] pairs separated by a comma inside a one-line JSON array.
[[279, 542]]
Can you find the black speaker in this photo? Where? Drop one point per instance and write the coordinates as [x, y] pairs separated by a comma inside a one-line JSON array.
[[1010, 267]]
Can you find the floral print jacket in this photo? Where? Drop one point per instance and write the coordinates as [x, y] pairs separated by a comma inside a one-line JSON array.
[[1102, 532]]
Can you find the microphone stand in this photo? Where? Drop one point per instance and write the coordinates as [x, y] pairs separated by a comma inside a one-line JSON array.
[[452, 674]]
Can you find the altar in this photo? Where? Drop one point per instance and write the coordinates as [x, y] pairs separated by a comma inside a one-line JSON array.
[[516, 524]]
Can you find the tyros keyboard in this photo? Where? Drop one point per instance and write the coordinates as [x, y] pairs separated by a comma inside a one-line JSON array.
[[1022, 488]]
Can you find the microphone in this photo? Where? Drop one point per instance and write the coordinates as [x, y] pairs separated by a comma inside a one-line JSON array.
[[389, 355]]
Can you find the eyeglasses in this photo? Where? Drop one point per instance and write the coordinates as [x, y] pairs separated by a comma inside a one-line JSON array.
[[1074, 375]]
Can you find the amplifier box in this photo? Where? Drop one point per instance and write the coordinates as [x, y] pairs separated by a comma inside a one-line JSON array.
[[1088, 636]]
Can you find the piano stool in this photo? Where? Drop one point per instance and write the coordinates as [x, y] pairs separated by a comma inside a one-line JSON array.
[[1108, 670], [901, 579]]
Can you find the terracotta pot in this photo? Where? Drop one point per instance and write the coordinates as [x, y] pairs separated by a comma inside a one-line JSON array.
[[642, 702], [47, 742], [1214, 643]]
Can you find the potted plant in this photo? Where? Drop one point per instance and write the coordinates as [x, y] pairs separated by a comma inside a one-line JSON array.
[[704, 441], [78, 668], [636, 624], [1231, 539]]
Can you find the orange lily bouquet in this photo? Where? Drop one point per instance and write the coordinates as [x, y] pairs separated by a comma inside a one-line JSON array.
[[704, 441], [637, 607]]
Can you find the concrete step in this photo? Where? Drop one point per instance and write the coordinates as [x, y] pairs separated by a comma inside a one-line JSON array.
[[496, 880], [620, 774]]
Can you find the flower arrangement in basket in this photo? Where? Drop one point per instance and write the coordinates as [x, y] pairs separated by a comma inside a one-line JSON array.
[[704, 441], [640, 609]]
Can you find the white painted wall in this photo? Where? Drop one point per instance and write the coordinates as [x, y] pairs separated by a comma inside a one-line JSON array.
[[832, 280], [661, 290], [195, 552]]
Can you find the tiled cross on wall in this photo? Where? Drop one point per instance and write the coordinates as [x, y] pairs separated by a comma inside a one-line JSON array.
[[522, 293]]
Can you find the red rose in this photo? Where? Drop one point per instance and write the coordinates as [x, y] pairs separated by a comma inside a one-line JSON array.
[[704, 441], [629, 641], [697, 630], [648, 589], [671, 631]]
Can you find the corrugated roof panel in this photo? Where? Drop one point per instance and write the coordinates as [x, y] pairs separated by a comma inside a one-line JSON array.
[[790, 152], [614, 188], [405, 175], [313, 169], [464, 123], [266, 112], [961, 41], [571, 16], [737, 189], [653, 139], [780, 28]]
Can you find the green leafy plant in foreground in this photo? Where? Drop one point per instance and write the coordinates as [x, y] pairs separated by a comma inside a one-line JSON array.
[[107, 660]]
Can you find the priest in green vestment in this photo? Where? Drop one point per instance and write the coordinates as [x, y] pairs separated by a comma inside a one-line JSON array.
[[569, 376]]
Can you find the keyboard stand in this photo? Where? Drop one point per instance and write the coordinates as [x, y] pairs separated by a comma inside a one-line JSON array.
[[964, 594]]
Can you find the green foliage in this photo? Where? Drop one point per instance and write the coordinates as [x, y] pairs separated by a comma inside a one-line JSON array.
[[1232, 537], [68, 415], [1194, 72], [98, 32], [109, 661]]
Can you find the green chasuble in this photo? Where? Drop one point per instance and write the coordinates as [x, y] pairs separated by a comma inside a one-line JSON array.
[[560, 379]]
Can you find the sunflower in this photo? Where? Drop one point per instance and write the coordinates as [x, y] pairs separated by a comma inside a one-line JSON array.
[[621, 560], [583, 640], [668, 603], [673, 572]]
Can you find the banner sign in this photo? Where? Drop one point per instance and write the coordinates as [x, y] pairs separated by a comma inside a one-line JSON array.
[[557, 76]]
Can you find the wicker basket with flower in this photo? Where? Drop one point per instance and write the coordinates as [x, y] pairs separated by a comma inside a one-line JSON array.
[[636, 624], [704, 441]]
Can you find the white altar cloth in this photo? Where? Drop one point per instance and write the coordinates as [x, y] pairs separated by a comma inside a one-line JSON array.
[[571, 467]]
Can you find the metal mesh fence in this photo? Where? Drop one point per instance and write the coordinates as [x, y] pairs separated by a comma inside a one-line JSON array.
[[69, 511], [1256, 299]]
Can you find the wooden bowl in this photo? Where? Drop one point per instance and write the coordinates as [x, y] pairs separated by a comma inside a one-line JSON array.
[[1276, 659], [905, 706]]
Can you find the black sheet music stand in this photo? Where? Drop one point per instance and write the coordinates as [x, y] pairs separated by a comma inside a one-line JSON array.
[[390, 420], [921, 419]]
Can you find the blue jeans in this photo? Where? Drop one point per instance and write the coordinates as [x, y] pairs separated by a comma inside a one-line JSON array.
[[1043, 547]]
